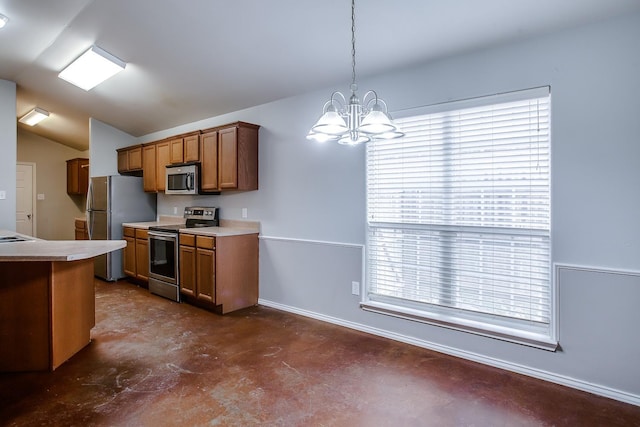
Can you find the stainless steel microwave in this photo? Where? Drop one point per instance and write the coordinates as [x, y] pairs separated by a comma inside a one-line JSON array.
[[182, 179]]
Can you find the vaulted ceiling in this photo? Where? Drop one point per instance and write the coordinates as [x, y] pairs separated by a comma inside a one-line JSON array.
[[189, 60]]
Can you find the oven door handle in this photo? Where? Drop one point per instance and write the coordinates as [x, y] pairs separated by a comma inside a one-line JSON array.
[[159, 235]]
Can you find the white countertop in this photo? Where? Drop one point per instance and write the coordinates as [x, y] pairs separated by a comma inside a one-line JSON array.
[[55, 250], [227, 227]]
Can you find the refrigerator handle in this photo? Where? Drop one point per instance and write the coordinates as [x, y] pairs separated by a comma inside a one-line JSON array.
[[89, 206]]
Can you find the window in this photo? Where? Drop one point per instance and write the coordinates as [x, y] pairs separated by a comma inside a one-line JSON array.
[[459, 218]]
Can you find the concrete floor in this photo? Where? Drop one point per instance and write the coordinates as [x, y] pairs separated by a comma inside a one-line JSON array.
[[153, 362]]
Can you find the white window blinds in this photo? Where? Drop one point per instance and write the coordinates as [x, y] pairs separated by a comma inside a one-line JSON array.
[[459, 216]]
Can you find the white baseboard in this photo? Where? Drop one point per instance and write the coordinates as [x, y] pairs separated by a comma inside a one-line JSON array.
[[513, 367]]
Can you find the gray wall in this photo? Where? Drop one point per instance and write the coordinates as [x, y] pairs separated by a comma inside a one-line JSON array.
[[311, 202], [103, 141], [55, 214], [8, 138]]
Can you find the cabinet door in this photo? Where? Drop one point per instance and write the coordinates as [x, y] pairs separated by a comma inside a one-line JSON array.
[[209, 161], [176, 150], [206, 275], [80, 229], [228, 158], [191, 148], [72, 176], [187, 270], [129, 254], [149, 168], [142, 259], [123, 161], [77, 176], [134, 158], [163, 158], [83, 176]]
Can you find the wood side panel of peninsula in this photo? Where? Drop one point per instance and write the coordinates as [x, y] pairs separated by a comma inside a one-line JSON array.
[[47, 309]]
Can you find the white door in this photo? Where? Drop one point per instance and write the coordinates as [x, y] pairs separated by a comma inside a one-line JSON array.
[[25, 206]]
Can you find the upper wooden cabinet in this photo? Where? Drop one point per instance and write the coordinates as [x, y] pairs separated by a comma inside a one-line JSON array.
[[130, 160], [155, 157], [77, 176], [209, 161], [185, 148], [229, 158], [163, 158], [149, 168]]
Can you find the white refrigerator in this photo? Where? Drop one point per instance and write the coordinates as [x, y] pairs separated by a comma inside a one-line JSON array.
[[112, 200]]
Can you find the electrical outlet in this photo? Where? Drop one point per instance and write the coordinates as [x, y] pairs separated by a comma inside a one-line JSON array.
[[41, 196], [355, 288], [175, 210], [3, 195], [244, 213]]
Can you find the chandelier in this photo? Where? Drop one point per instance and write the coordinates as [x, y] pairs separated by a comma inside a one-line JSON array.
[[354, 122]]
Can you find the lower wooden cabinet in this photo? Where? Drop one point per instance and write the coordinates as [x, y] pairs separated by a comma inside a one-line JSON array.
[[136, 253], [198, 267], [81, 229], [220, 273], [187, 267], [142, 255]]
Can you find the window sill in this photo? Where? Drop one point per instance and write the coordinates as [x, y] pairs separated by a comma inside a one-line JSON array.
[[503, 333]]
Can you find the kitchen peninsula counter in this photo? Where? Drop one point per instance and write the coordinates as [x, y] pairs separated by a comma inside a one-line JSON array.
[[57, 250], [47, 300]]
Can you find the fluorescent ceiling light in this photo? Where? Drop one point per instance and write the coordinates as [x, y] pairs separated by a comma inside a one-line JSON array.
[[92, 68], [34, 116], [3, 20]]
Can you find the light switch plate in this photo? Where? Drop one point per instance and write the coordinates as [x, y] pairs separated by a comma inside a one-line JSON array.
[[355, 288], [41, 196], [3, 194]]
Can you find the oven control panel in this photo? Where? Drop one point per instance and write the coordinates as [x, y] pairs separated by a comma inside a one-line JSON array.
[[200, 213]]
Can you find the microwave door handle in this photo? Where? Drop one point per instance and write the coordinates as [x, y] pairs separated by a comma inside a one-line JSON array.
[[190, 181]]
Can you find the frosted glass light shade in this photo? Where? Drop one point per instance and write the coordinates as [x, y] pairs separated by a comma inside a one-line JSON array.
[[34, 116], [92, 68], [321, 137], [330, 123], [376, 122]]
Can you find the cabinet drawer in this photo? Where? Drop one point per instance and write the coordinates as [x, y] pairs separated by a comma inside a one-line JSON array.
[[187, 239], [141, 233], [206, 242], [129, 232], [81, 224]]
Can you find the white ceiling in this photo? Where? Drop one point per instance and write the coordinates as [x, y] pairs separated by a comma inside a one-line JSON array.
[[193, 59]]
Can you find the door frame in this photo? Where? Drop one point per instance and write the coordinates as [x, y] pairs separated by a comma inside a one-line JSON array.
[[33, 195]]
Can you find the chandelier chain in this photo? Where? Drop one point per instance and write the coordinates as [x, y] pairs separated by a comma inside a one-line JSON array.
[[353, 44]]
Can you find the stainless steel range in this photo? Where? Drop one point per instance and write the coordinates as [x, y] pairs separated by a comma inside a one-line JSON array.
[[164, 271]]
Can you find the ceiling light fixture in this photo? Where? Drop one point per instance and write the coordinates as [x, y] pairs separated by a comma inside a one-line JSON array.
[[355, 122], [3, 20], [92, 68], [34, 116]]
